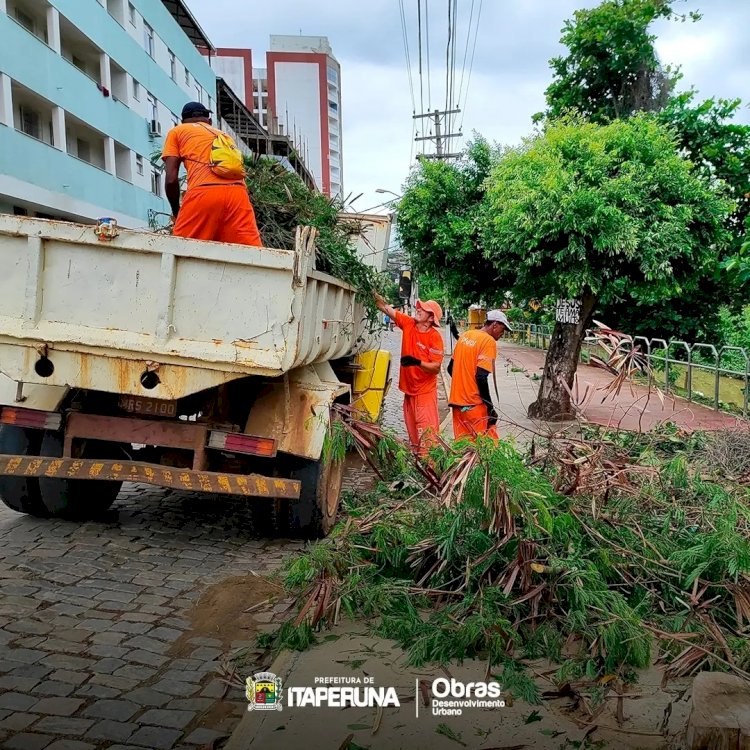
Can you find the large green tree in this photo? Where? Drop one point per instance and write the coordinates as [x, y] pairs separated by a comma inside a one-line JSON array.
[[582, 211], [437, 223], [709, 134], [611, 68]]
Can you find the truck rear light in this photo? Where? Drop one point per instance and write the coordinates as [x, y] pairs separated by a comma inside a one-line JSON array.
[[43, 420], [236, 442]]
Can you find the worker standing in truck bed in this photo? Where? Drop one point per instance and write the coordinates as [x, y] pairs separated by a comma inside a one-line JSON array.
[[216, 205]]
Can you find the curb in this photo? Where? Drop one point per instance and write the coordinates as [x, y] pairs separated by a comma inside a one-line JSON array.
[[244, 733]]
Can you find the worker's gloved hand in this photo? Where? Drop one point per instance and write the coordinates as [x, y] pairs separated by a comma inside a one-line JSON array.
[[409, 361]]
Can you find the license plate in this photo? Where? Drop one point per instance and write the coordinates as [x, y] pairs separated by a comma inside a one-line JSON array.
[[149, 407]]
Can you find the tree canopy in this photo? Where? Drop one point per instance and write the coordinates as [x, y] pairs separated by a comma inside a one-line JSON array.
[[605, 208], [437, 223], [611, 68]]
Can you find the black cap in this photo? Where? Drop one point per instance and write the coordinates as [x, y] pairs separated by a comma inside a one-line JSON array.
[[195, 109]]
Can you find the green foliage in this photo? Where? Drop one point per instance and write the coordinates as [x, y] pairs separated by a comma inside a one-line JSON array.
[[613, 209], [436, 579], [719, 147], [611, 68], [735, 328], [437, 224], [610, 71], [282, 202]]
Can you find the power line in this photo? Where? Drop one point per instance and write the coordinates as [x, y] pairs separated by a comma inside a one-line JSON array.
[[406, 53], [453, 62], [419, 34], [466, 51], [427, 39], [448, 57], [471, 65]]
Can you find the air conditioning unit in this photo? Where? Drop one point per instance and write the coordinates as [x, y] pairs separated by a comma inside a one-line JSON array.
[[154, 127]]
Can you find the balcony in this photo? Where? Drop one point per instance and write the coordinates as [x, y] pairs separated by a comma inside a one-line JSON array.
[[116, 9], [120, 90], [80, 51], [32, 115], [123, 162], [32, 15], [84, 143]]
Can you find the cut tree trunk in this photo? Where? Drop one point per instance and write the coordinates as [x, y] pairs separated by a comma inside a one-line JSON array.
[[553, 401]]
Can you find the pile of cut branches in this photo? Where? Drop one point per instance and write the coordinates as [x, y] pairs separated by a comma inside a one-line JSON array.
[[282, 202], [579, 554]]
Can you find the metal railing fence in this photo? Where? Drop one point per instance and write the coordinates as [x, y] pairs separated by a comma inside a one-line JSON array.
[[673, 365]]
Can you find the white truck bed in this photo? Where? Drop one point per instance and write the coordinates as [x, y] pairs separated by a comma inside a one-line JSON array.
[[198, 313]]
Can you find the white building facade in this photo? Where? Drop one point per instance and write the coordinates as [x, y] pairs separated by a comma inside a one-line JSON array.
[[297, 94]]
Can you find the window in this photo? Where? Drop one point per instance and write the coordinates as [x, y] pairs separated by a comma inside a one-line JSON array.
[[175, 120], [80, 64], [152, 111], [25, 20], [83, 149], [31, 122], [333, 75], [31, 25], [148, 39], [131, 13], [155, 181], [136, 90], [172, 66], [139, 164], [333, 106], [198, 93]]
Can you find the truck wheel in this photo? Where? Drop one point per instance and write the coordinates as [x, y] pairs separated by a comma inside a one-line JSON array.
[[314, 514], [77, 499], [21, 493]]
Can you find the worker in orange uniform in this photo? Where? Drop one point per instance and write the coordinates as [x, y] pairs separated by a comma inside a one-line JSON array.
[[421, 359], [472, 362], [216, 206]]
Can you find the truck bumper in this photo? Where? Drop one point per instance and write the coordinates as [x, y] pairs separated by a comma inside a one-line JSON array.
[[247, 485]]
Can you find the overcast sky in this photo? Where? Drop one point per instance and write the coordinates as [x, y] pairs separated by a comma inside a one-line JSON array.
[[515, 40]]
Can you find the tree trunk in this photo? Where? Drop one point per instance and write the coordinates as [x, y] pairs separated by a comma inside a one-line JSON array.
[[553, 401]]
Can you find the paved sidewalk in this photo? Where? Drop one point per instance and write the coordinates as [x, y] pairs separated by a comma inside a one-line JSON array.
[[633, 409]]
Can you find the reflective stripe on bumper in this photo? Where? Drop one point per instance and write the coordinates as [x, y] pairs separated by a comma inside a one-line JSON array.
[[248, 485]]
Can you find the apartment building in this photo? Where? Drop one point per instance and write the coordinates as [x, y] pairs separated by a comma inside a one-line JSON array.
[[304, 94], [88, 89], [297, 94]]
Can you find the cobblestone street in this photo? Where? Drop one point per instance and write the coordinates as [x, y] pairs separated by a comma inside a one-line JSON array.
[[97, 646]]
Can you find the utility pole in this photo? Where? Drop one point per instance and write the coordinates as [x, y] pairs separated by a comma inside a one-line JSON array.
[[441, 139]]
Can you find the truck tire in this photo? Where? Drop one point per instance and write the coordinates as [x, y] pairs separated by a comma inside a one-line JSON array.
[[77, 499], [314, 514], [21, 493]]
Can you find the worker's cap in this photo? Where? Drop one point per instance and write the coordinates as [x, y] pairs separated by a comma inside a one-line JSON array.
[[498, 316], [431, 306], [195, 109]]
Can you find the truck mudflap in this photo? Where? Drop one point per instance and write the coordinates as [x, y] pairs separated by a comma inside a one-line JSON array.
[[247, 485]]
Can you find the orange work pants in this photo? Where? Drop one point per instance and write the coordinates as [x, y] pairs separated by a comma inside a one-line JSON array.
[[220, 213], [472, 422], [422, 420]]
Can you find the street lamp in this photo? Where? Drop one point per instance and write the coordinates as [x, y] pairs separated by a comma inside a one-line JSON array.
[[383, 190]]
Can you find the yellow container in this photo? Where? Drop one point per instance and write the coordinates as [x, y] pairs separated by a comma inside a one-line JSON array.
[[477, 317], [371, 381]]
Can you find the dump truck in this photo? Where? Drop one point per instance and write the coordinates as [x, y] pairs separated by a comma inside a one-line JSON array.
[[200, 366]]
